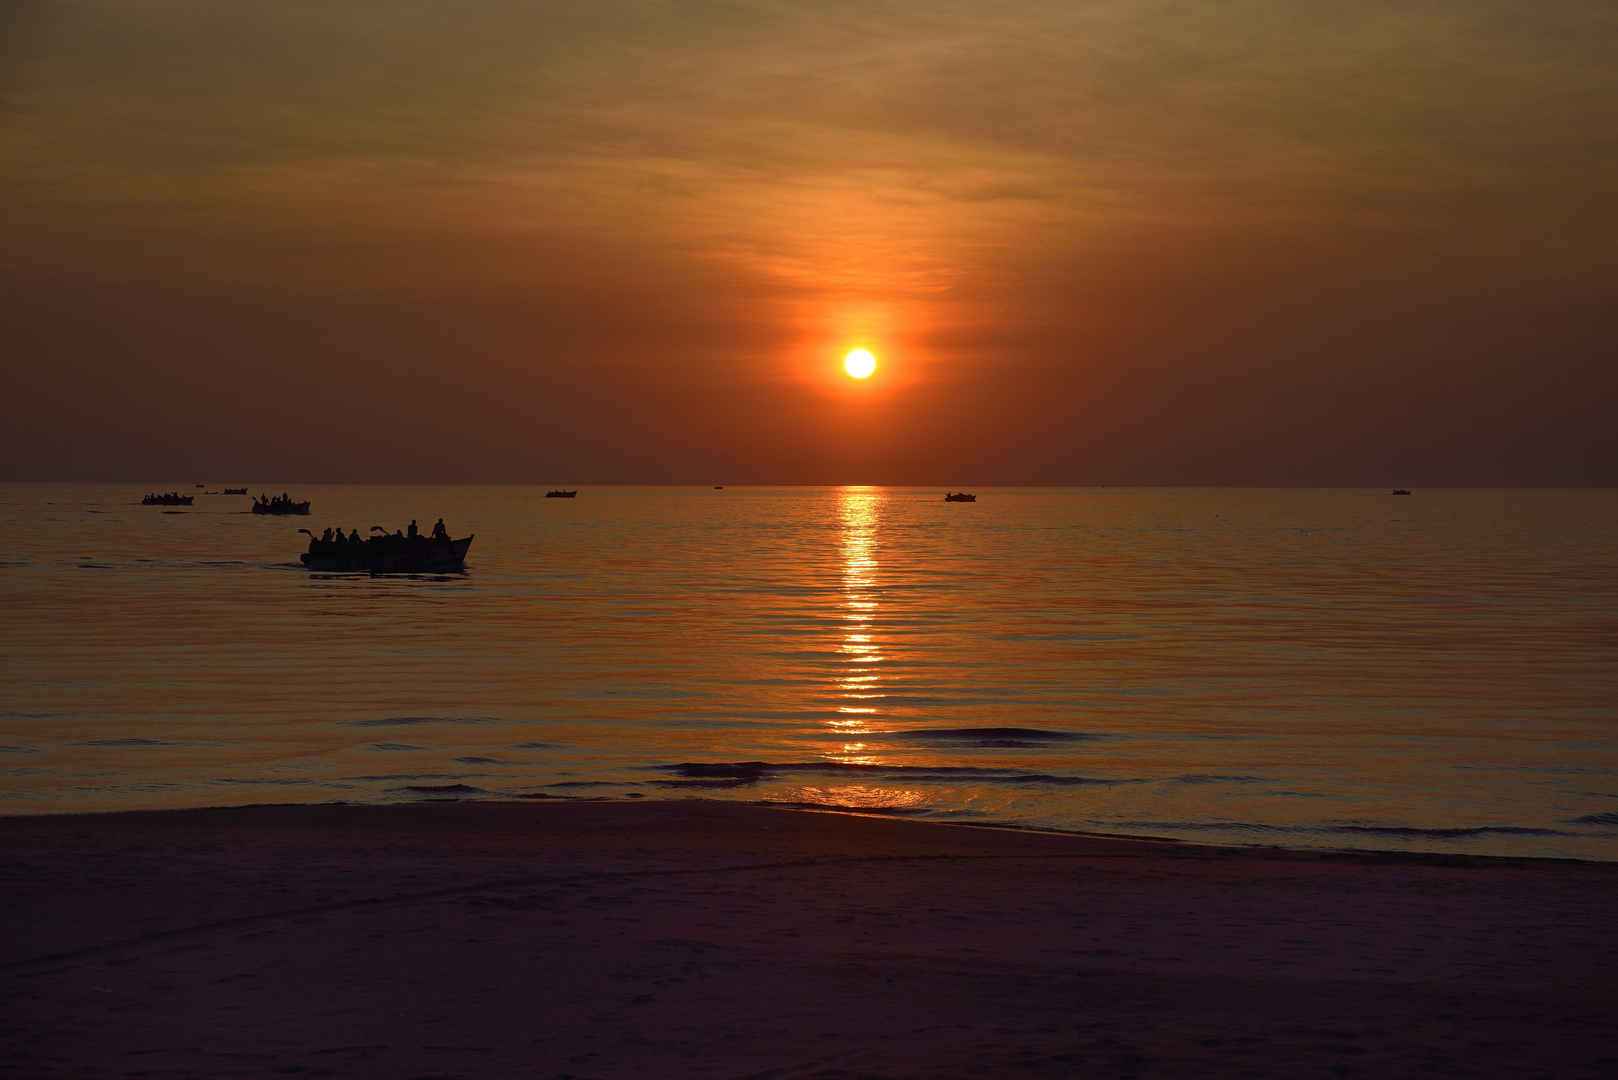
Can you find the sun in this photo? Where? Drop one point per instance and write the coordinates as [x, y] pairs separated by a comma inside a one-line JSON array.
[[859, 364]]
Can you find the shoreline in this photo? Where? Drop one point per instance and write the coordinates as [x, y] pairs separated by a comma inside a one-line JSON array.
[[1385, 854], [624, 938]]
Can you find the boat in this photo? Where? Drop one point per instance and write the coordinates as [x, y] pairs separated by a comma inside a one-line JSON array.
[[386, 554], [719, 487], [1401, 491], [281, 504], [235, 491], [561, 494], [959, 496], [172, 498]]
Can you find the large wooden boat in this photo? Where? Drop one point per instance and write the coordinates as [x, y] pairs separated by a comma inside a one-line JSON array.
[[281, 504], [959, 496], [388, 555], [172, 498]]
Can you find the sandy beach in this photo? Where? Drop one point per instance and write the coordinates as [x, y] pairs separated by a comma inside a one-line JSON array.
[[692, 938]]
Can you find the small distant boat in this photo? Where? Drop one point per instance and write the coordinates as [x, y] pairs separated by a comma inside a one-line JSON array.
[[235, 491], [172, 498], [387, 554], [719, 487], [959, 496], [1401, 491], [561, 494], [281, 504]]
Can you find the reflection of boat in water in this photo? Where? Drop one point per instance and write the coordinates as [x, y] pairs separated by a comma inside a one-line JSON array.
[[281, 504], [387, 554], [561, 494], [172, 498], [959, 496], [235, 491], [1401, 491]]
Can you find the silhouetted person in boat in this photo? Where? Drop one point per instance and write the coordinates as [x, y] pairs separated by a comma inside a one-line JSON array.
[[439, 532], [414, 534], [354, 538], [326, 537]]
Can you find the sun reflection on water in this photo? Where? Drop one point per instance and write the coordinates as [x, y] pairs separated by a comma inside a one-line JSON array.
[[864, 796], [859, 680]]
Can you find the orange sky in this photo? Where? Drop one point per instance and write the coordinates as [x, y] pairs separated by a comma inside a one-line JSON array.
[[1144, 242]]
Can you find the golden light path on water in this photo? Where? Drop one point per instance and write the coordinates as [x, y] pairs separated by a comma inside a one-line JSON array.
[[860, 678]]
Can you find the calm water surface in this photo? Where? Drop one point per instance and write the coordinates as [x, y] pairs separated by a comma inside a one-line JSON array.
[[1307, 668]]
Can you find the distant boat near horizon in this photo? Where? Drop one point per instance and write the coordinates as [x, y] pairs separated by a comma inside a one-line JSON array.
[[235, 491], [1400, 491], [171, 498], [959, 496], [561, 494]]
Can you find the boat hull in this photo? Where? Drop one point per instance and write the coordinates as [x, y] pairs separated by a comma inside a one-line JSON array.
[[436, 557]]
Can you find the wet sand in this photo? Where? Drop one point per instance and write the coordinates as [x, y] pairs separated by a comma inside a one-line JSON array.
[[706, 939]]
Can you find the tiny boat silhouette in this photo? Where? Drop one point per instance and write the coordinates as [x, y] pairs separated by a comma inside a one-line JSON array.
[[561, 494], [171, 498], [281, 504], [959, 496], [1401, 491], [719, 487], [235, 491], [385, 554]]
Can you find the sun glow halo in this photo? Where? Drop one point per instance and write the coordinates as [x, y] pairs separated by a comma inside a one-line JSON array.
[[859, 363]]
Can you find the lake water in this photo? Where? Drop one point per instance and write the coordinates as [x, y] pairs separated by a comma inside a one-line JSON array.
[[1327, 668]]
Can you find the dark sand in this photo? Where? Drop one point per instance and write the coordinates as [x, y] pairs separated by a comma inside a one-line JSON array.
[[704, 939]]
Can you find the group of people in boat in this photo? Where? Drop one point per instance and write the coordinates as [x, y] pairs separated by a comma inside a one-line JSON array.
[[282, 501], [333, 542]]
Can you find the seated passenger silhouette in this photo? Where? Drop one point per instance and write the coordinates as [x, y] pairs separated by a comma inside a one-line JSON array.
[[439, 532], [414, 534]]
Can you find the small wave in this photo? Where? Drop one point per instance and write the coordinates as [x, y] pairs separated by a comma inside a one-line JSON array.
[[1214, 778], [537, 746], [126, 742], [891, 811], [736, 773], [1595, 819], [443, 789], [735, 782], [399, 721], [395, 746], [485, 761], [18, 750], [993, 738]]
